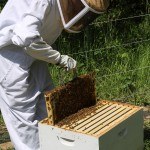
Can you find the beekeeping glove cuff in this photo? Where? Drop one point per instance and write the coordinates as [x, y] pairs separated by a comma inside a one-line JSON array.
[[67, 62]]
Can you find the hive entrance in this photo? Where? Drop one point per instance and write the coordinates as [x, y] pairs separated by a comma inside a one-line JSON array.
[[69, 99]]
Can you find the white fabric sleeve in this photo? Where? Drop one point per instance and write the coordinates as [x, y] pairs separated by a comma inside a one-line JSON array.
[[42, 51], [27, 30]]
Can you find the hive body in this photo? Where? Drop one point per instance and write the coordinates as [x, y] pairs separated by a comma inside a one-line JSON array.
[[108, 126]]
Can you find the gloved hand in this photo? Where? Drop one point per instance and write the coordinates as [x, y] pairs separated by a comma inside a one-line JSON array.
[[67, 62]]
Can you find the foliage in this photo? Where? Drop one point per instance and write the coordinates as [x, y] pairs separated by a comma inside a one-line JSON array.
[[116, 47], [2, 3]]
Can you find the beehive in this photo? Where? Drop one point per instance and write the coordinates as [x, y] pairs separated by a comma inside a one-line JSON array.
[[105, 126], [76, 122]]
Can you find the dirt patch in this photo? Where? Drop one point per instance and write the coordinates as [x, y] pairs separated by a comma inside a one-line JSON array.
[[6, 146], [4, 136]]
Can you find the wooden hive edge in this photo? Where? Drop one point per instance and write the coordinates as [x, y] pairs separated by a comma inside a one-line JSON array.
[[121, 103], [49, 113]]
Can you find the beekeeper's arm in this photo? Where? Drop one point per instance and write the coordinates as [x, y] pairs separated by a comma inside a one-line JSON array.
[[27, 34], [41, 50]]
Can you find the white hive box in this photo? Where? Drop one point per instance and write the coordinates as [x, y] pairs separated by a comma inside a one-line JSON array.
[[111, 126]]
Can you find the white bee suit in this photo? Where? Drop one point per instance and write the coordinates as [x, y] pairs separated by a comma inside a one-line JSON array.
[[27, 29]]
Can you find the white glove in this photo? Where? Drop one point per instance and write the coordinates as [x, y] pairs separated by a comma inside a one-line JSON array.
[[67, 62]]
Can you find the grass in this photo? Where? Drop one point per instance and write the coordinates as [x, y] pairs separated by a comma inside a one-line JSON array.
[[4, 136], [147, 136]]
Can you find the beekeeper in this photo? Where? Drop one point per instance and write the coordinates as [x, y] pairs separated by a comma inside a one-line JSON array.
[[28, 28]]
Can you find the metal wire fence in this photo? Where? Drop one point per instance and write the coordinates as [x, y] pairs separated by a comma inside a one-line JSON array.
[[124, 82], [110, 76]]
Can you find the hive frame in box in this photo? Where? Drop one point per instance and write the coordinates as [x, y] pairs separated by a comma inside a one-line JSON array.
[[70, 98]]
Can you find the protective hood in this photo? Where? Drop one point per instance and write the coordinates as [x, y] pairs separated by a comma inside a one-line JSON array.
[[76, 14]]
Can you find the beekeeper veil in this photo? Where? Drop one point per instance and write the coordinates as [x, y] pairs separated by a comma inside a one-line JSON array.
[[76, 14]]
